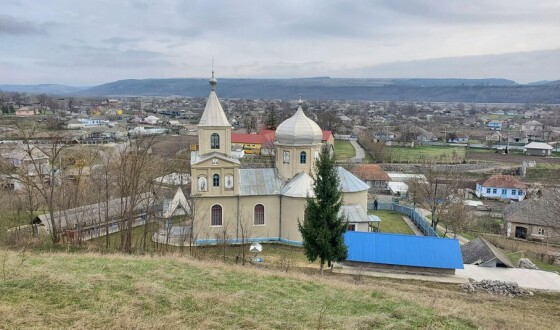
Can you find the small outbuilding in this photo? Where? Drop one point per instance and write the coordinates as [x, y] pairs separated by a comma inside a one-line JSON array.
[[402, 253], [538, 149], [483, 253]]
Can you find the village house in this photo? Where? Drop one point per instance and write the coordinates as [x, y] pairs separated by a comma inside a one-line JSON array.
[[494, 137], [373, 175], [517, 137], [533, 219], [501, 187], [537, 149], [25, 112], [495, 125]]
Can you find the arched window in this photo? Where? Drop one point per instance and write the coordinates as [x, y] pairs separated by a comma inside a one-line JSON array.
[[302, 157], [216, 180], [216, 215], [214, 141], [259, 214]]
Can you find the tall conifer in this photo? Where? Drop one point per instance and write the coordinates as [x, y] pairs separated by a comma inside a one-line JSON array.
[[323, 228]]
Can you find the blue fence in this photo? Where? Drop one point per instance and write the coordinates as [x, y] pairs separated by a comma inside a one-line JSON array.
[[419, 220]]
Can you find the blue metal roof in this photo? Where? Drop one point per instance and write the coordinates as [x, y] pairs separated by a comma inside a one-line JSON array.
[[404, 250]]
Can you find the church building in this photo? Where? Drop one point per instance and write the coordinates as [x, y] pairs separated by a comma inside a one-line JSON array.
[[262, 204]]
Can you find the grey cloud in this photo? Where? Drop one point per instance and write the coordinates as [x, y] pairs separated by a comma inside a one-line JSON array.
[[119, 40], [521, 67], [11, 26], [102, 57], [471, 12]]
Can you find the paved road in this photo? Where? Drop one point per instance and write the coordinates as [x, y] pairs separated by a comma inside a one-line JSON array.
[[526, 278], [360, 152]]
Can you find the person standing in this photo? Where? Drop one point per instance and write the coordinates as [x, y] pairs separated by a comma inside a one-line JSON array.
[[375, 204]]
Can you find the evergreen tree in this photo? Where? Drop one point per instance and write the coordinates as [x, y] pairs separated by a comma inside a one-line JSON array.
[[271, 121], [323, 228]]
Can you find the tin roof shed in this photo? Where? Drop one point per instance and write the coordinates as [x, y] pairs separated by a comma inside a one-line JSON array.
[[403, 250]]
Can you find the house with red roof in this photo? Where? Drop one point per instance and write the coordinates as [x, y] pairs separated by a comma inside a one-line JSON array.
[[263, 141], [502, 187], [373, 175]]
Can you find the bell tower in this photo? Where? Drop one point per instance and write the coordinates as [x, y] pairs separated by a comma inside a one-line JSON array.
[[214, 130]]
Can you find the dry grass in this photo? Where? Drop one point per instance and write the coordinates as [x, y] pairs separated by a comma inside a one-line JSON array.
[[58, 290]]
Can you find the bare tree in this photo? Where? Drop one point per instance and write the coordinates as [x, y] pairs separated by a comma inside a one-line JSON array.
[[457, 218], [250, 123], [134, 178], [39, 169], [437, 193]]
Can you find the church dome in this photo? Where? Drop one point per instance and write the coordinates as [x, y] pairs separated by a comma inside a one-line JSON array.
[[298, 130]]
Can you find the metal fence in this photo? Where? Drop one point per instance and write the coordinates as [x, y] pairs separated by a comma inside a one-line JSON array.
[[416, 217]]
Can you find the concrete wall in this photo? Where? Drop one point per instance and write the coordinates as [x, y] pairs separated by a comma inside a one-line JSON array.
[[398, 268]]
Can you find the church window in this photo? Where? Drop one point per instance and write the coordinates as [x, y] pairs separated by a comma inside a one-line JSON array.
[[216, 180], [259, 214], [216, 215], [214, 141], [302, 157]]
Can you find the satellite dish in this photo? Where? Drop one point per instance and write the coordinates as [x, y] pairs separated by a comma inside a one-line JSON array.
[[255, 247]]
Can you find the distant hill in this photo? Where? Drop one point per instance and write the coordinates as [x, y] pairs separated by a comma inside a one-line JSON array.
[[322, 88], [434, 90], [545, 83], [42, 88]]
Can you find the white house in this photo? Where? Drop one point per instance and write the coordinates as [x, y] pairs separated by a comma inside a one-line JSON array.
[[502, 187], [152, 120], [538, 149]]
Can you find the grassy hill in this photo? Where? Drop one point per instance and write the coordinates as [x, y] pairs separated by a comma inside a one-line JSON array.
[[321, 88], [58, 290]]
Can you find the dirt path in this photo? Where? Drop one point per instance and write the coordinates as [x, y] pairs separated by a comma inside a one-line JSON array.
[[412, 226], [360, 152]]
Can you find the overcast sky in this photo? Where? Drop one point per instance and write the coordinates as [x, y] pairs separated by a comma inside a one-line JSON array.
[[89, 42]]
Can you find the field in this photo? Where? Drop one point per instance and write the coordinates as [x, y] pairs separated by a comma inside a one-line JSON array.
[[343, 150], [392, 222], [512, 158], [58, 290], [425, 155], [544, 173]]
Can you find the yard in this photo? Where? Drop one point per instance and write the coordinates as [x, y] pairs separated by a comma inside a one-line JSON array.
[[344, 150], [392, 222], [425, 155]]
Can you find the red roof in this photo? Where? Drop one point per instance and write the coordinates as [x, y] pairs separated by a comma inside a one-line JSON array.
[[504, 181], [248, 138], [265, 136], [371, 172]]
